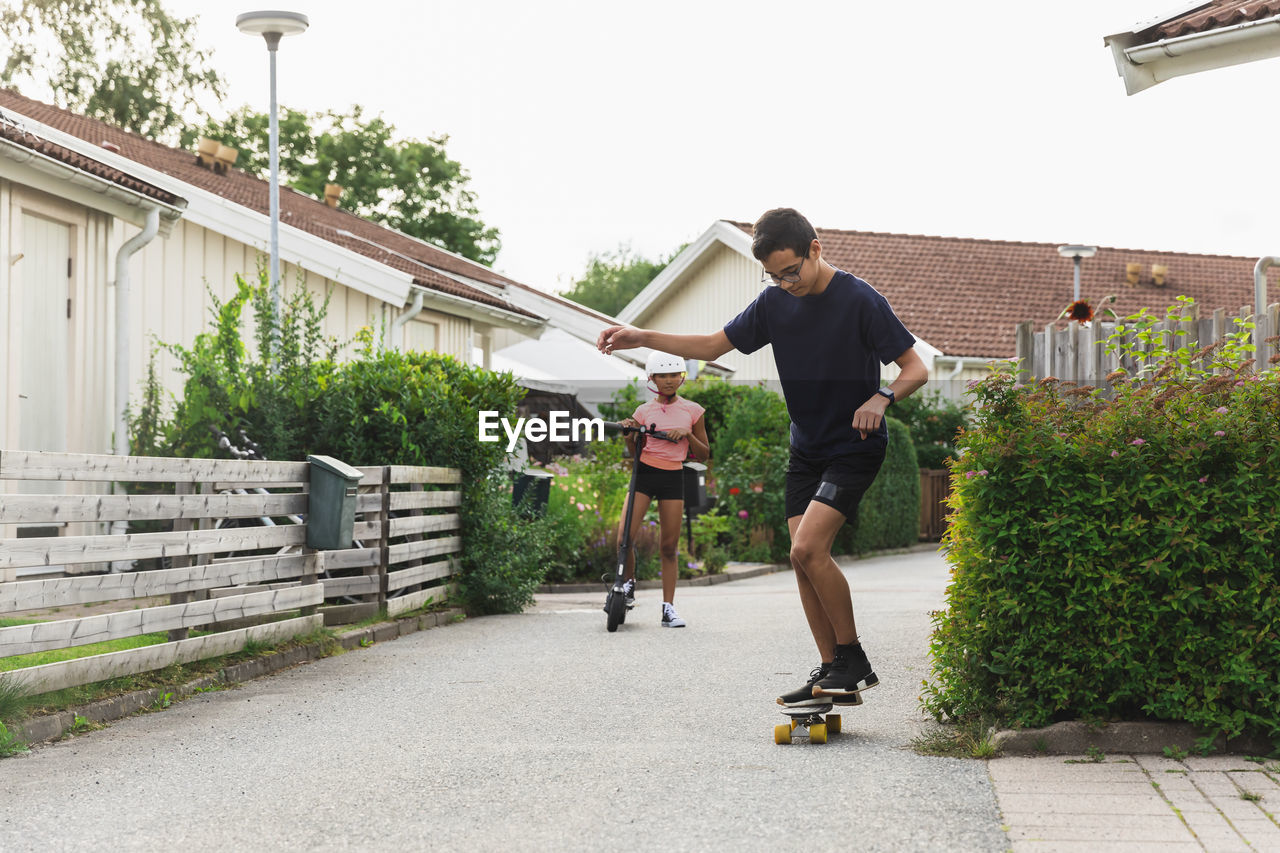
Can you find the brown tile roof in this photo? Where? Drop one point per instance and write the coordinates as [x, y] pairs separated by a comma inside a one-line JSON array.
[[966, 297], [1215, 15], [14, 132], [382, 244]]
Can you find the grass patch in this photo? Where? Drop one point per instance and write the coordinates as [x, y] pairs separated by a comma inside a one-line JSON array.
[[14, 701], [9, 623], [957, 740], [10, 744], [55, 655]]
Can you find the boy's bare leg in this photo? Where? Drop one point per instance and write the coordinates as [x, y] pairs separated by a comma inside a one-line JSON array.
[[824, 591], [670, 514]]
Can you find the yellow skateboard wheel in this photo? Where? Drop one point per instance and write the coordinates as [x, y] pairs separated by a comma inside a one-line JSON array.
[[782, 733], [833, 723], [818, 733]]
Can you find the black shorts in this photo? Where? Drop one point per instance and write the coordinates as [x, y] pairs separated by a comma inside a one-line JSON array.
[[837, 481], [660, 484]]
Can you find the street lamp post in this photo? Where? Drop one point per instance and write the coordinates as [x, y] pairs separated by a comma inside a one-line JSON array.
[[272, 26], [1077, 253]]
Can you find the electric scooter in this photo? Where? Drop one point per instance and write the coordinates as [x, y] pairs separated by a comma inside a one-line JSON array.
[[615, 603]]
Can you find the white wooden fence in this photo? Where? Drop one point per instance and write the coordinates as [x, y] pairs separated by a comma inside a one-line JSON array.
[[228, 581], [1079, 353]]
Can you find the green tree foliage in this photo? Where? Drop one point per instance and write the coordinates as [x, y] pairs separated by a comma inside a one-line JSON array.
[[614, 278], [127, 62], [406, 184]]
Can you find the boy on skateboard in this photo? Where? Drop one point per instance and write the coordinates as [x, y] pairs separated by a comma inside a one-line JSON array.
[[830, 332]]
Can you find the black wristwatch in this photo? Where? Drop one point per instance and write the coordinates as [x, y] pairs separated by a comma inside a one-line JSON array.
[[888, 394]]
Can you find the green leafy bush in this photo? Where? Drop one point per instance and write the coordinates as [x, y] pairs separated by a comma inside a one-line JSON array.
[[1113, 556], [380, 408], [934, 422], [889, 515]]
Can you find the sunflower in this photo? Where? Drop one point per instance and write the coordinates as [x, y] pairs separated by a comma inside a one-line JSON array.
[[1080, 311]]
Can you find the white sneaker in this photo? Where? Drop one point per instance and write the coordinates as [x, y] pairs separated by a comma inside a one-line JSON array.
[[670, 619], [629, 588]]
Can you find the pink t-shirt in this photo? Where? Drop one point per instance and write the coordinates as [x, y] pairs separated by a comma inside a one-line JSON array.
[[681, 413]]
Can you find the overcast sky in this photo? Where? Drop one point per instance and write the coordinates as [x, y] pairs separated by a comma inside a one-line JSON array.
[[586, 125]]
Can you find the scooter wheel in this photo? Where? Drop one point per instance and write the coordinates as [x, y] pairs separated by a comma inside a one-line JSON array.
[[617, 611]]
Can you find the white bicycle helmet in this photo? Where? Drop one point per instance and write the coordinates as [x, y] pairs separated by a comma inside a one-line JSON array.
[[664, 362]]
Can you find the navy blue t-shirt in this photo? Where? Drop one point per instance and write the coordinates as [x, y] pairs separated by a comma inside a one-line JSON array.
[[828, 349]]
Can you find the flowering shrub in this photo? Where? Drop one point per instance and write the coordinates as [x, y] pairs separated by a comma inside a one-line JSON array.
[[1116, 558]]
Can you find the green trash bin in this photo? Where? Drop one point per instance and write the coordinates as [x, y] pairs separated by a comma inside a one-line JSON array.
[[331, 518]]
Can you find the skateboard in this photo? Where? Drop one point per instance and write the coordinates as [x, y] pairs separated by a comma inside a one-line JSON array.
[[811, 722]]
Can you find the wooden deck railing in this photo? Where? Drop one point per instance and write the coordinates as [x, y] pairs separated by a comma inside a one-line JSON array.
[[188, 572]]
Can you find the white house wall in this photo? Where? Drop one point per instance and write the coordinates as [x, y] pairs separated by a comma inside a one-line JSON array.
[[707, 297]]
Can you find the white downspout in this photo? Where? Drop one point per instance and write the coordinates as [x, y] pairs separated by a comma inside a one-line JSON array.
[[398, 323], [120, 446], [1260, 307]]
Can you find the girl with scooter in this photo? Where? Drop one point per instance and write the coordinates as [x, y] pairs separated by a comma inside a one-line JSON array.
[[658, 474]]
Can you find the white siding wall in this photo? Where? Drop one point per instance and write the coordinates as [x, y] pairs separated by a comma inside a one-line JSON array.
[[709, 296]]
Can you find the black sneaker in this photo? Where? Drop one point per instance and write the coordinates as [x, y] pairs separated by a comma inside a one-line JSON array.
[[803, 696], [850, 674]]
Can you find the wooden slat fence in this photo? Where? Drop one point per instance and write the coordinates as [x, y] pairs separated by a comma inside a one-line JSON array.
[[1079, 354], [254, 582], [935, 485]]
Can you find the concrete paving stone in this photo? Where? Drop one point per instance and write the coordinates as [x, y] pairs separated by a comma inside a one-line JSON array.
[[1083, 804], [1168, 829], [1159, 764], [1255, 781], [1236, 808], [1214, 784], [1262, 834], [1072, 787], [1055, 768], [1219, 763], [1103, 847], [1014, 818]]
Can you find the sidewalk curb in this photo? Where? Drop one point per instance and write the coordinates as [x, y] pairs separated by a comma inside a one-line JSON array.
[[1137, 738], [53, 726]]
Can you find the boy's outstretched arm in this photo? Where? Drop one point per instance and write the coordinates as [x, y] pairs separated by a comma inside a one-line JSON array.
[[707, 347]]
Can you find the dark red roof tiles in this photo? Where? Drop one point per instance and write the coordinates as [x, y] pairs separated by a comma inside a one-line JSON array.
[[1215, 15], [382, 244], [17, 134], [966, 296]]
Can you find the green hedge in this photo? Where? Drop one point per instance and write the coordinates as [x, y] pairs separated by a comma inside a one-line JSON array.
[[889, 515], [1116, 559], [378, 408]]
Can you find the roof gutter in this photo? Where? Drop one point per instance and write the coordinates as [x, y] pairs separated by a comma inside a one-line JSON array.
[[1144, 65], [88, 189], [398, 323]]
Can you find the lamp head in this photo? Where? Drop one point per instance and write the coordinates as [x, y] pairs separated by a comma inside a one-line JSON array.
[[271, 24], [1077, 251]]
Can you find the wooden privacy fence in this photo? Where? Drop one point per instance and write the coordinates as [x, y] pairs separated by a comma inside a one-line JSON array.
[[935, 485], [1079, 354], [208, 555]]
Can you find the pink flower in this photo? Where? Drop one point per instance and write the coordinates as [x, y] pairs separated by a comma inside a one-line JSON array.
[[1204, 479], [969, 475], [581, 507], [1138, 442], [757, 488], [1222, 410], [1219, 433], [984, 472], [742, 513], [1115, 453]]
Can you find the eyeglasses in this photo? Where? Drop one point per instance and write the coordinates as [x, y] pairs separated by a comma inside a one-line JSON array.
[[789, 277]]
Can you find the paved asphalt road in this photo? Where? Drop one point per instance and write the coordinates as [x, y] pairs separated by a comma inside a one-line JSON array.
[[535, 732]]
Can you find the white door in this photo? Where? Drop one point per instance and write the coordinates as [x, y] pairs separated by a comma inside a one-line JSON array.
[[43, 374]]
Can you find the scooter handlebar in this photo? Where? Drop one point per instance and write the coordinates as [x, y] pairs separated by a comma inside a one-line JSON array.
[[651, 430]]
